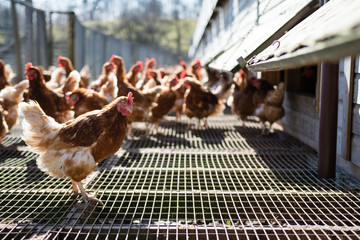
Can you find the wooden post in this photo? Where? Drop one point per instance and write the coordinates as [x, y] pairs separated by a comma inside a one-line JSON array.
[[29, 43], [71, 39], [38, 43], [328, 120], [44, 41], [50, 50], [19, 65]]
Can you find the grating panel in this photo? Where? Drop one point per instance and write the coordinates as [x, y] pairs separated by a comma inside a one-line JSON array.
[[223, 182], [225, 133]]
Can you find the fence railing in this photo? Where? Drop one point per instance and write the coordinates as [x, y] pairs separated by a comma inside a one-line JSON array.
[[32, 35]]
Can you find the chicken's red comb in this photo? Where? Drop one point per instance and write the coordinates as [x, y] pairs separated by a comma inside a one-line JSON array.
[[28, 66], [153, 60], [148, 73], [140, 64], [181, 63], [183, 73], [67, 96], [112, 57], [130, 97], [60, 58], [198, 61], [241, 71]]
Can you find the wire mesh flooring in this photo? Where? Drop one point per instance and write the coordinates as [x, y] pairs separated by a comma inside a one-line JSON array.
[[223, 182]]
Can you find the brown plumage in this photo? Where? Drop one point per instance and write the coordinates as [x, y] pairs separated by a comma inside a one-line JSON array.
[[84, 100], [3, 78], [132, 75], [149, 66], [107, 68], [163, 104], [66, 63], [74, 148], [123, 85], [3, 125], [248, 95], [179, 88], [195, 69], [213, 76], [53, 103], [11, 96], [243, 104], [142, 112], [153, 80], [110, 89], [143, 100], [271, 109], [199, 102], [85, 76]]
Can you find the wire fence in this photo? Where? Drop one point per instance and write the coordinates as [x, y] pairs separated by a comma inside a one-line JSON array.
[[32, 35]]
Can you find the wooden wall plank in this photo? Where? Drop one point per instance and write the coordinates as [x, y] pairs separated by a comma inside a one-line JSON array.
[[357, 64], [301, 119], [355, 150], [355, 126], [356, 120], [356, 98], [347, 106]]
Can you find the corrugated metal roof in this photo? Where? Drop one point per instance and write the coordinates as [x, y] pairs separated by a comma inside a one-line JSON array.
[[330, 33], [254, 34], [207, 9], [242, 23]]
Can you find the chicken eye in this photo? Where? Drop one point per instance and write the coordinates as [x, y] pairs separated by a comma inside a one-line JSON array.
[[123, 102]]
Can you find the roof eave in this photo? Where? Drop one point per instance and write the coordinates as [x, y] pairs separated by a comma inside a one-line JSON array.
[[329, 52]]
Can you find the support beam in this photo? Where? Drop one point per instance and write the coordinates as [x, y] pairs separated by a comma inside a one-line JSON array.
[[50, 47], [328, 120], [71, 38], [29, 36], [19, 67]]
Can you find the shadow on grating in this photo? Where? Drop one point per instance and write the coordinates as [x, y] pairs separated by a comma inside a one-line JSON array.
[[223, 182]]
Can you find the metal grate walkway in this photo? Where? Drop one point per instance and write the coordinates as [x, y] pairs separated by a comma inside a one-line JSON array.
[[223, 182]]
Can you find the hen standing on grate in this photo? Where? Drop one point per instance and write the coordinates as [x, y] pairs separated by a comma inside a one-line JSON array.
[[74, 148], [200, 102]]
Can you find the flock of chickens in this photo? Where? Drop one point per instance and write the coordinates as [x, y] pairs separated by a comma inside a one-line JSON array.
[[74, 123]]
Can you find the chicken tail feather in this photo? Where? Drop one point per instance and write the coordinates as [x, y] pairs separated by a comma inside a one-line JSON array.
[[38, 128], [219, 108], [72, 82], [276, 97]]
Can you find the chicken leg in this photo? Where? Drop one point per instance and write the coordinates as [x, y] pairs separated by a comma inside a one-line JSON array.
[[75, 188], [86, 197], [130, 133]]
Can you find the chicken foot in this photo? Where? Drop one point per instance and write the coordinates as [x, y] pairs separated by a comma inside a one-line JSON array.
[[75, 189], [156, 129], [86, 197], [205, 122], [264, 129], [147, 129]]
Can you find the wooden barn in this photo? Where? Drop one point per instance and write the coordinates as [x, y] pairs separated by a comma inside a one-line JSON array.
[[313, 46]]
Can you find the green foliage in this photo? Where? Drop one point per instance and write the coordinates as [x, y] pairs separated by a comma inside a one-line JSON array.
[[161, 32]]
